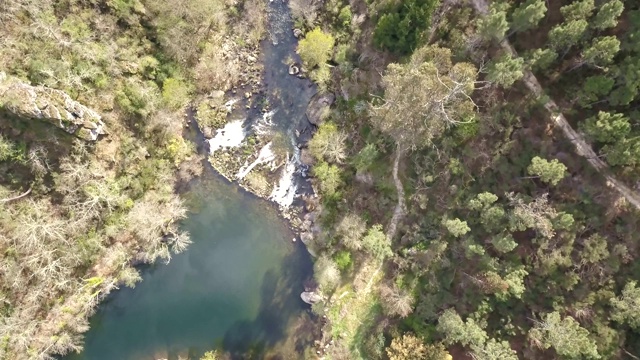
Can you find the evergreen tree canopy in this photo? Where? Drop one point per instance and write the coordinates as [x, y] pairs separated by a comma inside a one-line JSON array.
[[400, 28]]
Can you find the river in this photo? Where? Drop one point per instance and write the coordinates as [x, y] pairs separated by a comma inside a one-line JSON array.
[[237, 287]]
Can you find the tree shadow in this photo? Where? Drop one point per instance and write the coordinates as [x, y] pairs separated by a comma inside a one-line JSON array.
[[280, 305]]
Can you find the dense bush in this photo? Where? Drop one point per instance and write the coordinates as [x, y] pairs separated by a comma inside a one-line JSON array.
[[400, 28]]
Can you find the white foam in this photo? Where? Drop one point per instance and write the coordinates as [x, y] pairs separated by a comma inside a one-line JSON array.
[[265, 155], [285, 192], [265, 125], [230, 136]]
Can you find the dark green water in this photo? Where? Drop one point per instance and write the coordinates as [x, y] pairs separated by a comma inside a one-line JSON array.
[[237, 286]]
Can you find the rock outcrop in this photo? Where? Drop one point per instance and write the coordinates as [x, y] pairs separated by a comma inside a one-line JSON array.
[[318, 108], [50, 105]]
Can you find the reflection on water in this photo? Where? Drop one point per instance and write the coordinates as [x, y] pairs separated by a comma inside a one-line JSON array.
[[237, 285]]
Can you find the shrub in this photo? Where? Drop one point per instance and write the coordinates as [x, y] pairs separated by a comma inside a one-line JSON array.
[[351, 228], [175, 93], [328, 143], [329, 176], [326, 272], [376, 243], [315, 49], [343, 260], [366, 157]]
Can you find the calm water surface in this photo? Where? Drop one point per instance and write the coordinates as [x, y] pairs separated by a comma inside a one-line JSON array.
[[237, 286]]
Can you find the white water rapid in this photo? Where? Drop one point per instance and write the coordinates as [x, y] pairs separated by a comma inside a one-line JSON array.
[[285, 192], [264, 156], [231, 135]]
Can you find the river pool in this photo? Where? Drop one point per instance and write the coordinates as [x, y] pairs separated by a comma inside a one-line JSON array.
[[236, 287]]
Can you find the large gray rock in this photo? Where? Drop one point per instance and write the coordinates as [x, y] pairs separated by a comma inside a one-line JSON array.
[[311, 297], [53, 106], [318, 108]]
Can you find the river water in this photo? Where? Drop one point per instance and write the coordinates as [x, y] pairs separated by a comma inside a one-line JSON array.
[[237, 286]]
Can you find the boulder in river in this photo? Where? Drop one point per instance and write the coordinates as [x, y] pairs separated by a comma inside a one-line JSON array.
[[293, 69], [318, 108], [208, 132], [297, 33], [311, 297]]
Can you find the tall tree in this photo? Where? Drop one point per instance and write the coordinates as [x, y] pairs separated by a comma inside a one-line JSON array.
[[568, 34], [594, 88], [457, 331], [536, 214], [549, 171], [528, 15], [578, 10], [456, 227], [400, 27], [623, 152], [493, 350], [541, 59], [566, 336], [494, 25], [607, 127], [626, 308], [396, 301], [602, 51], [608, 14], [505, 70], [424, 97]]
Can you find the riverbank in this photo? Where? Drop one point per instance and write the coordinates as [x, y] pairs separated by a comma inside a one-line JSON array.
[[260, 141]]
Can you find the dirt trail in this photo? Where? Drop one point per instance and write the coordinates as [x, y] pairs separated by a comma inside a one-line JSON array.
[[582, 147], [399, 211]]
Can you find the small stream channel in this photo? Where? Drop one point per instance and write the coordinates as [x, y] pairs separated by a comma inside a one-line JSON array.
[[237, 287]]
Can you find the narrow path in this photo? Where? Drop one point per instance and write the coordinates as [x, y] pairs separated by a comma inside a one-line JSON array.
[[399, 211], [582, 147], [16, 197]]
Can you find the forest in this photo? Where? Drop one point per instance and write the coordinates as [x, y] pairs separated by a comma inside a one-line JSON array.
[[477, 176], [479, 179]]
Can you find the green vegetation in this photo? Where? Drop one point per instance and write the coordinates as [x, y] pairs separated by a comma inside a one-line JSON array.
[[401, 25], [505, 238], [315, 49], [75, 216], [460, 212]]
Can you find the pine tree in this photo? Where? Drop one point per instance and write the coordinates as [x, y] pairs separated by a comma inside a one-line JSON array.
[[494, 25], [626, 308], [528, 15], [608, 14], [568, 34], [549, 171], [607, 127], [566, 336], [505, 70]]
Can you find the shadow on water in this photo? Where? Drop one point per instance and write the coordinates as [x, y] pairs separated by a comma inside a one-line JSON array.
[[280, 305], [237, 285]]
